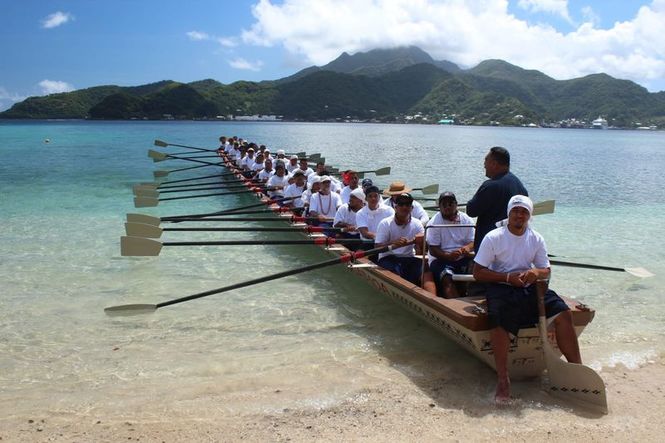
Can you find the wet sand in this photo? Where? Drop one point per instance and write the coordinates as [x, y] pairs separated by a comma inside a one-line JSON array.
[[435, 407]]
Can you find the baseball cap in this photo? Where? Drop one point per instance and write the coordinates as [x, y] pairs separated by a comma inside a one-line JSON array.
[[447, 196], [366, 182], [521, 201]]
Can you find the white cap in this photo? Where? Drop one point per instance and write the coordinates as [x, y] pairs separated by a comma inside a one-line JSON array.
[[359, 194], [521, 201], [325, 178], [294, 157], [315, 179], [280, 152]]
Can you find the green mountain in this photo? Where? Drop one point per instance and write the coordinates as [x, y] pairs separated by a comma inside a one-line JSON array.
[[379, 84]]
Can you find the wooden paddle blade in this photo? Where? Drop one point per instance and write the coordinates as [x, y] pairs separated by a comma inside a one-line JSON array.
[[142, 218], [431, 189], [361, 175], [157, 156], [145, 202], [383, 171], [161, 144], [313, 157], [333, 170], [153, 184], [143, 230], [300, 154], [160, 173], [125, 310], [139, 247], [544, 207], [144, 192], [144, 186], [639, 272], [573, 382]]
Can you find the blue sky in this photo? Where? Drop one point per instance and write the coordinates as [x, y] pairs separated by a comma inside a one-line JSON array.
[[53, 46]]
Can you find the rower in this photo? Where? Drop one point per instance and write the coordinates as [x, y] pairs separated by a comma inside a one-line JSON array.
[[399, 187], [369, 217], [281, 155], [450, 249], [222, 146], [319, 171], [295, 190], [266, 154], [267, 172], [400, 229], [257, 166], [292, 165], [304, 166], [345, 217], [353, 179], [312, 189], [324, 204], [278, 182]]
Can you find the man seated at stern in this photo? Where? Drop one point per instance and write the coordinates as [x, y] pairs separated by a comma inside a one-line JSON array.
[[401, 228], [511, 259], [450, 248]]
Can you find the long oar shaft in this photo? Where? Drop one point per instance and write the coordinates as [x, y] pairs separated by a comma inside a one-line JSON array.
[[322, 241], [164, 144]]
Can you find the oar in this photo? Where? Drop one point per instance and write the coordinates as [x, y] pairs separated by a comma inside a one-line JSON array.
[[540, 208], [144, 247], [163, 173], [156, 186], [380, 171], [149, 192], [160, 157], [570, 381], [182, 180], [147, 202], [163, 144], [431, 189], [153, 231], [637, 272], [134, 309], [155, 221]]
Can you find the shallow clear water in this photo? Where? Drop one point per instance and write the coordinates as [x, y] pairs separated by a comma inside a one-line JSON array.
[[317, 336]]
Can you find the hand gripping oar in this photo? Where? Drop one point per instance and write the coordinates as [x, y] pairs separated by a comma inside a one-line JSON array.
[[569, 381], [146, 247], [153, 231], [146, 202], [163, 144], [147, 308], [637, 272]]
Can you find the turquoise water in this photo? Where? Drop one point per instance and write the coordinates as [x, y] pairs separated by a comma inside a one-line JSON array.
[[314, 337]]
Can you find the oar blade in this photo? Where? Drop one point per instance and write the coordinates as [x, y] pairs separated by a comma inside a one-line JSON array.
[[544, 207], [161, 144], [313, 157], [639, 272], [431, 189], [139, 247], [575, 383], [127, 310], [144, 186], [160, 173], [143, 230], [383, 171], [145, 192], [142, 218], [145, 202]]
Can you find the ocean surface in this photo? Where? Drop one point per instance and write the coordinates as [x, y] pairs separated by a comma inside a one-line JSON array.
[[314, 338]]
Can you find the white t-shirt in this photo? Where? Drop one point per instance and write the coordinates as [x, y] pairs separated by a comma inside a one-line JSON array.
[[345, 215], [417, 211], [275, 180], [308, 172], [290, 168], [294, 191], [227, 147], [388, 231], [367, 218], [346, 193], [247, 162], [449, 239], [265, 175], [325, 205], [256, 166], [502, 251]]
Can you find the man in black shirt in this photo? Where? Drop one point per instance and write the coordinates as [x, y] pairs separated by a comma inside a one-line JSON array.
[[491, 199]]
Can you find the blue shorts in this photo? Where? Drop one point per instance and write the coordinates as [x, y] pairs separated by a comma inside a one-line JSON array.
[[409, 268], [513, 308], [440, 267]]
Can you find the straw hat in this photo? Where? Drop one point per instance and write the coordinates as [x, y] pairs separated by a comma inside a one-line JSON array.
[[396, 188]]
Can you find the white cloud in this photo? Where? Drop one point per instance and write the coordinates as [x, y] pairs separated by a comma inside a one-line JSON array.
[[589, 16], [555, 7], [197, 36], [227, 42], [56, 19], [54, 87], [465, 33], [241, 63]]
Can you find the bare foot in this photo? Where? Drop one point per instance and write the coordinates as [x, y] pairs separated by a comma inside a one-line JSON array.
[[502, 396]]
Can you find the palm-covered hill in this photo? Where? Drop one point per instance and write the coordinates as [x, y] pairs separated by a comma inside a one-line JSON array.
[[380, 84]]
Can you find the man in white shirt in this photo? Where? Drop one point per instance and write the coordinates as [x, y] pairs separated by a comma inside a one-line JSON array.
[[369, 217], [281, 155], [399, 187], [324, 204], [353, 184], [346, 216], [304, 167], [320, 171], [511, 259], [267, 172], [248, 160], [450, 249], [258, 163], [292, 165], [312, 189], [295, 191], [278, 182], [401, 228]]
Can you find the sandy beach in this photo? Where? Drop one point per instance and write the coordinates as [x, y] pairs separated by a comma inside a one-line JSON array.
[[432, 407]]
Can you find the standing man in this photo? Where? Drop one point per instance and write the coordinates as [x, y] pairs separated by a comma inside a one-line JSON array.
[[510, 259], [450, 249], [401, 228], [490, 201]]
